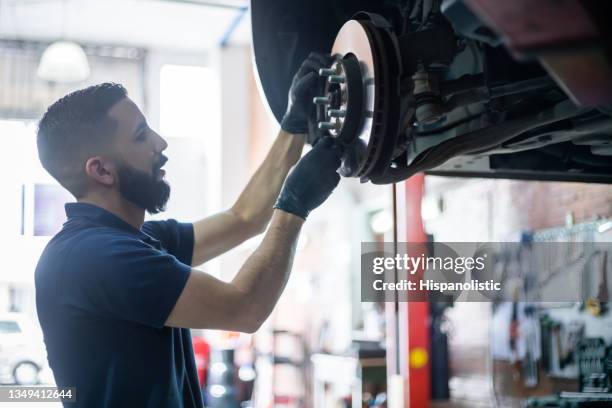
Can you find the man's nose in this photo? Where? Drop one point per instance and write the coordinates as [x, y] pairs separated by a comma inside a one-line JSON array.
[[160, 143]]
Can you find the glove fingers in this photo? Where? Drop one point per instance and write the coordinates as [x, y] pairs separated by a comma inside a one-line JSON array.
[[327, 153], [323, 59], [307, 82], [314, 62], [335, 157], [329, 142], [309, 65], [325, 141]]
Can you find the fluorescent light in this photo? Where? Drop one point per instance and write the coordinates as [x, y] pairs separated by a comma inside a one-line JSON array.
[[63, 61]]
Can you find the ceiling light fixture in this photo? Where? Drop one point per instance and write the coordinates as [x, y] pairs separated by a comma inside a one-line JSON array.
[[63, 62]]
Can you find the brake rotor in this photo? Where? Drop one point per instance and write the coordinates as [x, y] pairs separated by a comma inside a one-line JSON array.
[[358, 107], [352, 40]]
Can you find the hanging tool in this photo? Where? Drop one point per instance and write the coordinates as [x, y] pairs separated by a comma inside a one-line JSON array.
[[598, 306]]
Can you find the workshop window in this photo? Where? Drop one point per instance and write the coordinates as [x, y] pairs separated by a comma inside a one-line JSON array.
[[188, 100]]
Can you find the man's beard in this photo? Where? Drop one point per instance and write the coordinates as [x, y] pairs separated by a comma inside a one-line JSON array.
[[143, 189]]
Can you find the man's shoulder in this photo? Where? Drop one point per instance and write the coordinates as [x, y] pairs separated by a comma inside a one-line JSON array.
[[160, 228], [91, 235], [88, 243], [175, 237]]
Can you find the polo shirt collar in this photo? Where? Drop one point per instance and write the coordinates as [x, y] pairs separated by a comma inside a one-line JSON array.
[[101, 216]]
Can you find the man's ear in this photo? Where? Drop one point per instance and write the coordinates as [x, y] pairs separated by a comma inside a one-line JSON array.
[[101, 170]]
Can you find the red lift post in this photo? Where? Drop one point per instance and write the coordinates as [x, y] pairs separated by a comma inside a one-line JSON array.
[[408, 344]]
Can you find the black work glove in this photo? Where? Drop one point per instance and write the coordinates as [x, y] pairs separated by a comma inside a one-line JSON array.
[[305, 86], [312, 180]]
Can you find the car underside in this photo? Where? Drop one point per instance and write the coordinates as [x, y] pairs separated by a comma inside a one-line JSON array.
[[479, 88]]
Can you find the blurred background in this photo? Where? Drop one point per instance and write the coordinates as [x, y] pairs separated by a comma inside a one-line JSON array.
[[188, 65]]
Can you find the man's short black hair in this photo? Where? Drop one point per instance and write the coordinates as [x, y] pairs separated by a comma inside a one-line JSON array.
[[75, 128]]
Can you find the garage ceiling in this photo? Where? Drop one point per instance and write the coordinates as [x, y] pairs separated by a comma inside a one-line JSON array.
[[190, 25]]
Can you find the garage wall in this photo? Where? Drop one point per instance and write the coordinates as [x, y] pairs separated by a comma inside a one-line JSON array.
[[548, 205], [484, 210], [493, 210]]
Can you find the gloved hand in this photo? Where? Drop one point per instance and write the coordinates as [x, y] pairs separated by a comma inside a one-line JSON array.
[[304, 87], [312, 180]]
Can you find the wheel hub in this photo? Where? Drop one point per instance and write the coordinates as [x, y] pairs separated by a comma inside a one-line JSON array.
[[359, 105]]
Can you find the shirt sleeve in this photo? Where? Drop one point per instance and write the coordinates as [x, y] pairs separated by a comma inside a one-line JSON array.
[[176, 237], [129, 280]]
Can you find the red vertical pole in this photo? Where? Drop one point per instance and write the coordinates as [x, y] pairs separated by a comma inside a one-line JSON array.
[[413, 317]]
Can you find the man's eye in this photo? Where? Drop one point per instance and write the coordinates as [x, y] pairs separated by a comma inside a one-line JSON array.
[[141, 136]]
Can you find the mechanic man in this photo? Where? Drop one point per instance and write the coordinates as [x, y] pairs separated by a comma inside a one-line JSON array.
[[116, 295]]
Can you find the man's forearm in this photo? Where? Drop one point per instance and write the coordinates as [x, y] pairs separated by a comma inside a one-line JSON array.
[[256, 200], [244, 303], [265, 273], [250, 214]]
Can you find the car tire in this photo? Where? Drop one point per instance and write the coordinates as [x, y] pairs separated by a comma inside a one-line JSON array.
[[26, 373]]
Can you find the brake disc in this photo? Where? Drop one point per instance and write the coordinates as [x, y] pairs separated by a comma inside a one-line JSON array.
[[361, 100]]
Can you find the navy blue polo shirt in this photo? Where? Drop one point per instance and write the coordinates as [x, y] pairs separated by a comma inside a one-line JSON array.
[[103, 292]]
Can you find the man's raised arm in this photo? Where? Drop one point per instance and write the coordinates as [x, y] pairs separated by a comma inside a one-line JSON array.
[[251, 213], [245, 302]]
